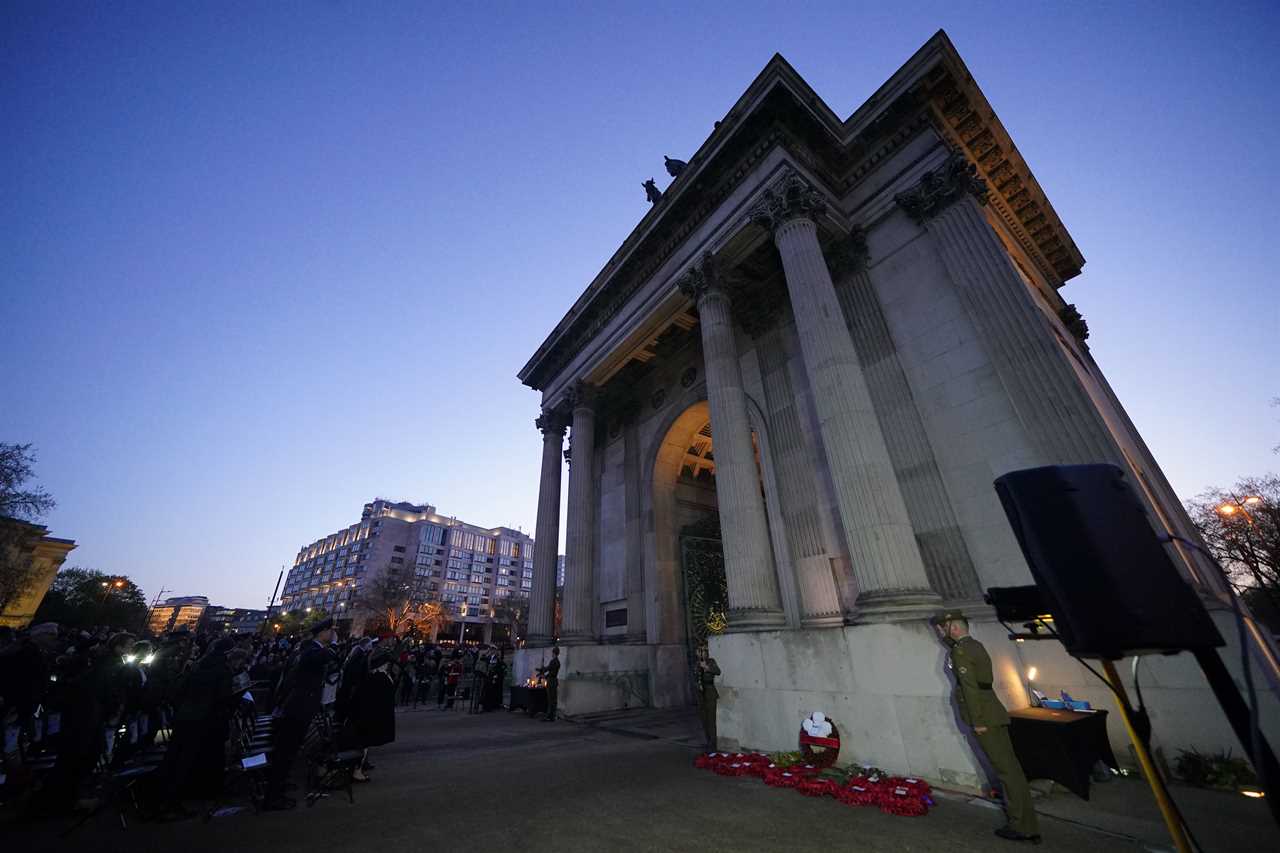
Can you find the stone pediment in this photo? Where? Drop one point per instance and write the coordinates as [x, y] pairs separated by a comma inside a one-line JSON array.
[[932, 90]]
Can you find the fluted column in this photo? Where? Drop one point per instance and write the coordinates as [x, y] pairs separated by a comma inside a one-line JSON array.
[[882, 544], [547, 535], [754, 602], [1057, 412], [579, 606]]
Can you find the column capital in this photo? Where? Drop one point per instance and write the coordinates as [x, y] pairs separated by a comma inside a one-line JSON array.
[[551, 422], [581, 395], [939, 187], [788, 198], [849, 254], [705, 276]]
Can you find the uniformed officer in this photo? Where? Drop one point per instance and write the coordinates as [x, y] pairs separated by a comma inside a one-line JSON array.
[[301, 696], [551, 672], [980, 708], [707, 672]]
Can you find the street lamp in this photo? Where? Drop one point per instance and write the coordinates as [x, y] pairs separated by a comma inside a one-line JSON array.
[[1231, 507]]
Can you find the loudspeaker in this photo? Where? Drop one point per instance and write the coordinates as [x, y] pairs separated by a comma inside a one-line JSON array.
[[1106, 578]]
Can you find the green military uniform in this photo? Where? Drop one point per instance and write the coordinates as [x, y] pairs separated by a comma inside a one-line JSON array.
[[707, 673], [980, 707]]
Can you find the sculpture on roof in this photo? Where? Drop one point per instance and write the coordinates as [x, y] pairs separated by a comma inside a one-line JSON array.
[[652, 192], [674, 167]]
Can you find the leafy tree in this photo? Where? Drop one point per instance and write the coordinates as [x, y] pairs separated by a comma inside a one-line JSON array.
[[1241, 528], [87, 598], [25, 505]]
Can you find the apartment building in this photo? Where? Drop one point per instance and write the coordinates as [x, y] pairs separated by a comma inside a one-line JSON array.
[[468, 568]]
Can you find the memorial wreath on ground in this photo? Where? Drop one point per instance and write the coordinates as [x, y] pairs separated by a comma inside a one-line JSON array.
[[811, 770]]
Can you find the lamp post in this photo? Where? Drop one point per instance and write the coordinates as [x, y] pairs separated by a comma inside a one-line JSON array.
[[1227, 509]]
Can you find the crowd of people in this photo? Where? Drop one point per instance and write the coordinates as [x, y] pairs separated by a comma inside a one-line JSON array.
[[79, 705]]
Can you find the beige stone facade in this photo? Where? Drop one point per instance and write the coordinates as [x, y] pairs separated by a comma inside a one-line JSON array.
[[44, 555], [830, 336]]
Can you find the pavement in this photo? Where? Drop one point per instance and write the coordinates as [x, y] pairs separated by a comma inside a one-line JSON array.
[[619, 782]]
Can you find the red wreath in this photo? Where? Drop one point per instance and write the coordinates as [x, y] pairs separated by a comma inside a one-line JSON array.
[[828, 748]]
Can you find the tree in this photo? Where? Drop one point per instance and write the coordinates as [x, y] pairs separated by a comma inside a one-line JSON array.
[[294, 622], [87, 598], [1241, 528], [15, 469], [398, 605], [513, 612], [19, 508]]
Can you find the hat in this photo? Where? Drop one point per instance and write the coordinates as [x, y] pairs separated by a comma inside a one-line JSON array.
[[942, 617], [380, 657], [43, 629], [321, 626]]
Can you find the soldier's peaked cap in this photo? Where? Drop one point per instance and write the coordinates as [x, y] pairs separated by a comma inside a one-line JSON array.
[[942, 617]]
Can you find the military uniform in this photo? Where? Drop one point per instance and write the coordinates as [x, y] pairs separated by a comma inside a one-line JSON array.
[[707, 673], [551, 672], [980, 708]]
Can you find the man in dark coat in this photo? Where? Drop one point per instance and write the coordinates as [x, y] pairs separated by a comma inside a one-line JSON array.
[[301, 692], [371, 719], [202, 710]]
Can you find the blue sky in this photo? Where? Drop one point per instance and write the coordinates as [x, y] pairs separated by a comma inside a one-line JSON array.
[[260, 263]]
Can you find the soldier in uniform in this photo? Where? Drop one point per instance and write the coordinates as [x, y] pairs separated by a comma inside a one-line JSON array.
[[551, 672], [708, 669], [980, 708]]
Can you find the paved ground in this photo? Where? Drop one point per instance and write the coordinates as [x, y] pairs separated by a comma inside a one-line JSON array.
[[618, 783]]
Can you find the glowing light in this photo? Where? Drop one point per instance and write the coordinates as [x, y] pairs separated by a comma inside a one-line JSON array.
[[149, 658], [1257, 795], [119, 583], [1031, 674], [1253, 499], [130, 658], [1227, 509]]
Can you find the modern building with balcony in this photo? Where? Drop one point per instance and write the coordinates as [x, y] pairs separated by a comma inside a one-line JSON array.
[[467, 568]]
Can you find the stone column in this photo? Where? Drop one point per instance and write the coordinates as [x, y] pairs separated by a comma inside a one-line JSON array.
[[546, 544], [882, 545], [1057, 412], [579, 605], [754, 603]]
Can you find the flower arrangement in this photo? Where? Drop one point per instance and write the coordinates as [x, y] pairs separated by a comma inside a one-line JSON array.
[[813, 773]]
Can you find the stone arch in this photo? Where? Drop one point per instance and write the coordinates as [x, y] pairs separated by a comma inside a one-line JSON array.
[[664, 593]]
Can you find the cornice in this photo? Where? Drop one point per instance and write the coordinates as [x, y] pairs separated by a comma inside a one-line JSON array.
[[780, 110], [966, 121]]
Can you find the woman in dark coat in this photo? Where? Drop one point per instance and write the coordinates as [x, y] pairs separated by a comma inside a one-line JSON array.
[[371, 717]]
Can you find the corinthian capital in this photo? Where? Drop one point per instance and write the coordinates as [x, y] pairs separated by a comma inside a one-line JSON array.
[[550, 421], [848, 254], [581, 396], [703, 277], [790, 197], [941, 186]]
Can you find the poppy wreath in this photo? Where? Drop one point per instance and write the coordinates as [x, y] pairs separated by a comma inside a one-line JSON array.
[[902, 801], [820, 751], [816, 786], [861, 791]]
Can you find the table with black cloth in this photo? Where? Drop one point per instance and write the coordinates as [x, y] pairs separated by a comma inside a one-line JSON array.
[[532, 699], [1061, 745]]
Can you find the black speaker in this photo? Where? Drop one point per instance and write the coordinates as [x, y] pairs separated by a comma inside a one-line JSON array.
[[1106, 578]]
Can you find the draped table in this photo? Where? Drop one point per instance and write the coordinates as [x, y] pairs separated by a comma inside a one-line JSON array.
[[1061, 745]]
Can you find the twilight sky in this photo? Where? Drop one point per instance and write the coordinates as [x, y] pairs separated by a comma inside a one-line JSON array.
[[262, 262]]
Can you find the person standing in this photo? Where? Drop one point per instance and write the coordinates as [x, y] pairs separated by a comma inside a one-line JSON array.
[[980, 708], [301, 694], [551, 672], [708, 669], [371, 718]]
